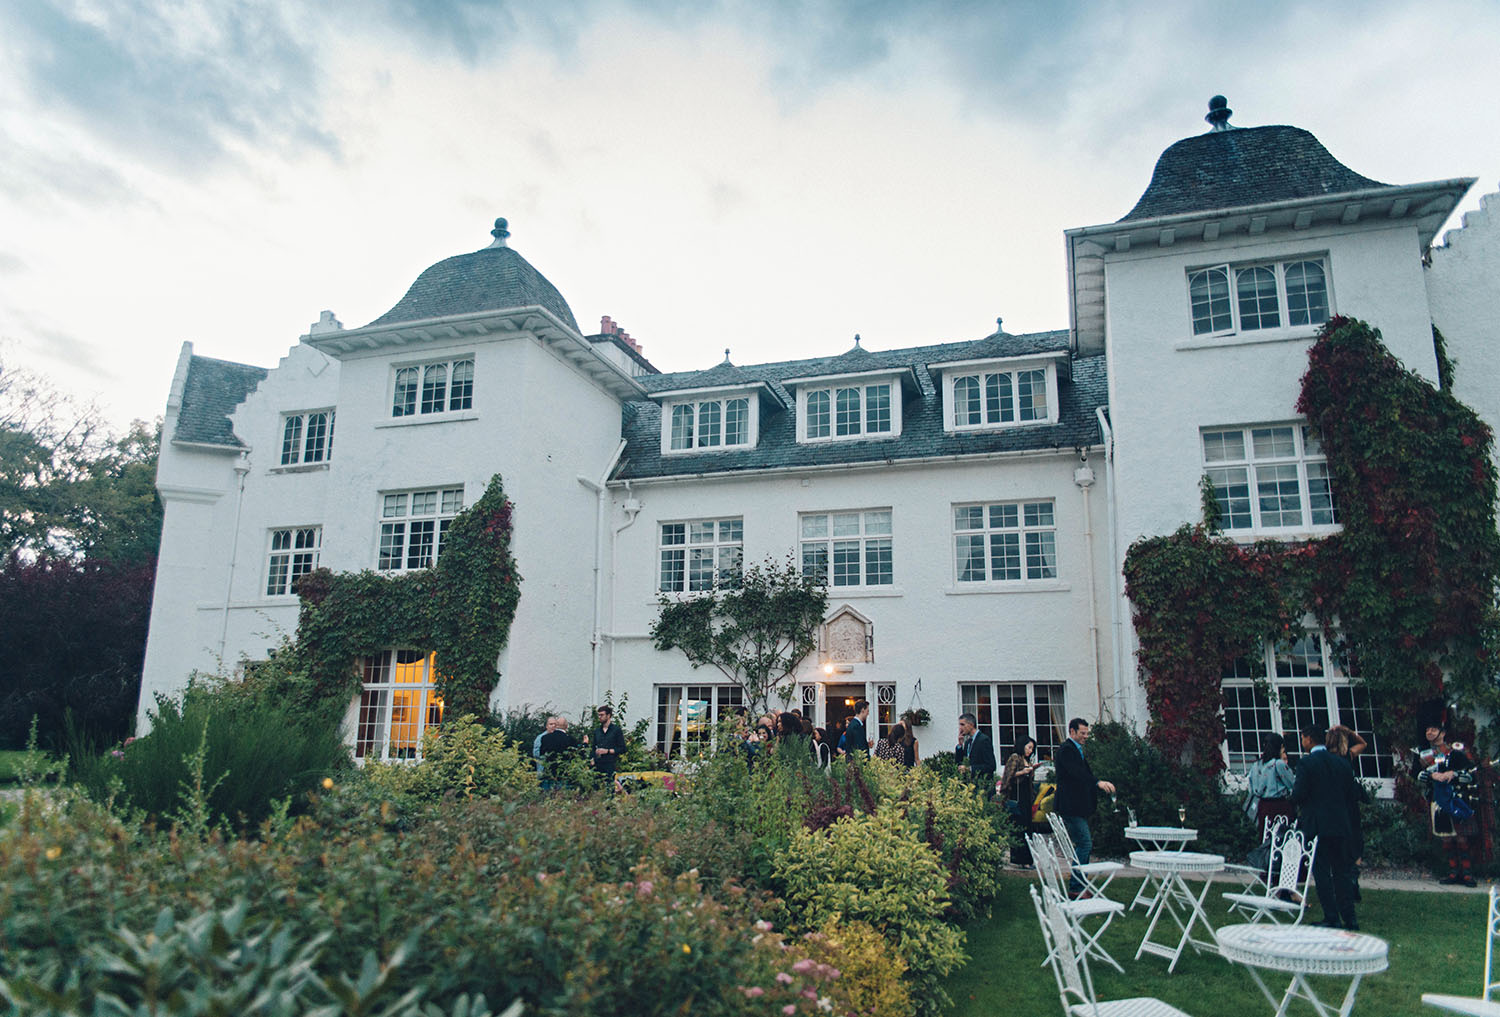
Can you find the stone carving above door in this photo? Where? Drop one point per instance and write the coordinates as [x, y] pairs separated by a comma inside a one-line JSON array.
[[847, 637]]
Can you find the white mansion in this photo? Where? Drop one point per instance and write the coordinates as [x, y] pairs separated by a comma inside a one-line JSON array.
[[970, 503]]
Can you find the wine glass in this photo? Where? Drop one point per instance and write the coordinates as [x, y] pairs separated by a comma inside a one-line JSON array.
[[1182, 814]]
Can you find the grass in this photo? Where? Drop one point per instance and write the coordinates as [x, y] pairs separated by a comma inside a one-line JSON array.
[[1436, 945]]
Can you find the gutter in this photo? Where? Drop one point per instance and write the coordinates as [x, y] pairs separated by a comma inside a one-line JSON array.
[[1116, 636]]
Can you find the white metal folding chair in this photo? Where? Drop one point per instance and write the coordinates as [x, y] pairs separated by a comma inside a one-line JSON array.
[[1069, 959], [1049, 874], [1087, 874], [1257, 874], [1485, 1003], [1288, 897]]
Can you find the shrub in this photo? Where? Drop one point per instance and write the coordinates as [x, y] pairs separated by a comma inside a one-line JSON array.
[[521, 724], [254, 754], [872, 869], [462, 757], [870, 971], [1396, 836], [1148, 782], [967, 832]]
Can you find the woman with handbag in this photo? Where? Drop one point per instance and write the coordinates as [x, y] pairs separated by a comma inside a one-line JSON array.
[[1016, 789], [1270, 780]]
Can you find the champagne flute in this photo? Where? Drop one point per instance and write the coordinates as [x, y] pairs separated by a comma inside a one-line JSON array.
[[1182, 814]]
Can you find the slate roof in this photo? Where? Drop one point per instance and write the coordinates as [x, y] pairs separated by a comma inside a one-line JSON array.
[[922, 433], [211, 391], [1243, 166], [492, 279]]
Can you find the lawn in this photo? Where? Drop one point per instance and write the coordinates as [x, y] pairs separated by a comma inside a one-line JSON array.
[[1436, 945]]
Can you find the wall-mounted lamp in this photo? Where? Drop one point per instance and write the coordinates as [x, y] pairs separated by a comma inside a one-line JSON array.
[[849, 702], [828, 669]]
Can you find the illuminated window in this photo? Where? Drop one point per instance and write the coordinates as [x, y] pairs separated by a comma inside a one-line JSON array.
[[688, 716], [398, 701]]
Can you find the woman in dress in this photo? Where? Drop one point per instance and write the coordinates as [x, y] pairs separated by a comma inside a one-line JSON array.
[[908, 745], [1017, 791], [1271, 781], [890, 747]]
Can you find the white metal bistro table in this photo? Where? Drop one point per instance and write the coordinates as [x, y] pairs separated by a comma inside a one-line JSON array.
[[1156, 838], [1176, 899], [1304, 950]]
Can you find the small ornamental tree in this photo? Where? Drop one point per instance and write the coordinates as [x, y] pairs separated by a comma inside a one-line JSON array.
[[755, 634]]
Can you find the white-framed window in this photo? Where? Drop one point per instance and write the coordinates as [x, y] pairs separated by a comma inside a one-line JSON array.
[[294, 553], [708, 424], [1005, 542], [441, 386], [700, 555], [1269, 478], [306, 437], [413, 525], [846, 412], [688, 715], [1287, 686], [997, 398], [1225, 299], [398, 700], [1011, 711], [848, 549]]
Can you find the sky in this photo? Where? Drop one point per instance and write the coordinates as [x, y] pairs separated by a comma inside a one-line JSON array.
[[766, 177]]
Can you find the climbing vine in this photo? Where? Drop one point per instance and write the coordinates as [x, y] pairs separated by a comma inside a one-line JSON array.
[[1408, 586], [461, 609]]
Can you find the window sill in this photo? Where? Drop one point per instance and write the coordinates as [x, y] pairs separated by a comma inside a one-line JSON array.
[[299, 468], [1300, 333], [845, 439], [707, 450], [1291, 536], [1020, 586], [839, 592], [429, 418], [1010, 425]]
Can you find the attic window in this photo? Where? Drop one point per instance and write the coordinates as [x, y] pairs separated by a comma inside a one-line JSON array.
[[708, 424]]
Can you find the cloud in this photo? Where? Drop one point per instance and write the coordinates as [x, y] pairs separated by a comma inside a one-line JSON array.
[[11, 264], [39, 178], [175, 86]]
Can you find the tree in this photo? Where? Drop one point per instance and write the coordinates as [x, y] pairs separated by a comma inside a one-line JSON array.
[[755, 635], [68, 484]]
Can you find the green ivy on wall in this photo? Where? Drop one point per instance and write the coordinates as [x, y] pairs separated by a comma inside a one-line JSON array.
[[461, 609], [1408, 586]]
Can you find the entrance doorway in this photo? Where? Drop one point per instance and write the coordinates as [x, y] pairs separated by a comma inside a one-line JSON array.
[[838, 706]]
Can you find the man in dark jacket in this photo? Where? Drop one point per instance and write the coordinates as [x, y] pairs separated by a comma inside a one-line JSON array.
[[1325, 791], [609, 745], [1076, 790], [856, 739], [975, 753]]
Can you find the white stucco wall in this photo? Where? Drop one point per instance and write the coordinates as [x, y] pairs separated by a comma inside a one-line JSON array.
[[1463, 288], [1164, 385], [536, 420], [925, 626]]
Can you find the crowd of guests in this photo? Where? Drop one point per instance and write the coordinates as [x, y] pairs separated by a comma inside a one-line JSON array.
[[601, 748], [898, 745]]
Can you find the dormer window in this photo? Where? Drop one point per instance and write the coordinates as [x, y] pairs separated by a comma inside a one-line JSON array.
[[709, 423], [849, 408], [1010, 393], [848, 411]]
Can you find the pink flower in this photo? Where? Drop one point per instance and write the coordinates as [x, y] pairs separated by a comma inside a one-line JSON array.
[[754, 990], [783, 978], [645, 888], [790, 1008], [803, 965], [763, 925], [810, 993]]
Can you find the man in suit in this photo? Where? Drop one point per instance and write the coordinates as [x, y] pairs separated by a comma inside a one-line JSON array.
[[975, 753], [1077, 788], [856, 739], [1325, 791]]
